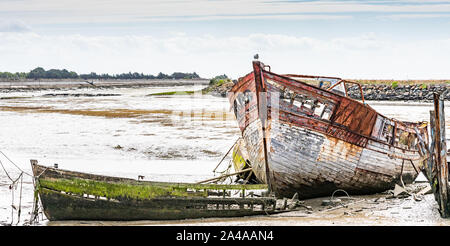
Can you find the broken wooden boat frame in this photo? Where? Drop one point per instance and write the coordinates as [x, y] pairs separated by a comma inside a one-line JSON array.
[[68, 195]]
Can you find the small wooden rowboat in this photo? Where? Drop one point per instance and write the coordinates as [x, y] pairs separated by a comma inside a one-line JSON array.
[[314, 139], [67, 195]]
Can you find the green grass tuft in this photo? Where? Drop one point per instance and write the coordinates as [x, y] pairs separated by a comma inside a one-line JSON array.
[[394, 84]]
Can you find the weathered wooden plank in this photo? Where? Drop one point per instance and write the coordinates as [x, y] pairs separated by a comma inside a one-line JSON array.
[[440, 155], [81, 196], [306, 164]]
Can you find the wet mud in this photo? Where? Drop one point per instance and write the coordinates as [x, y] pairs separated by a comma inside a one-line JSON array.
[[368, 210], [125, 133]]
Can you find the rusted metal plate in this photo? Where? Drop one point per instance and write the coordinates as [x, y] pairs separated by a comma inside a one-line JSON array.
[[357, 117]]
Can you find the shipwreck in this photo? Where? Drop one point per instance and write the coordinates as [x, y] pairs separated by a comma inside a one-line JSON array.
[[68, 195], [303, 134]]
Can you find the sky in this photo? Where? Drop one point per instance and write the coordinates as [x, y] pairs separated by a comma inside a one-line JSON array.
[[404, 39]]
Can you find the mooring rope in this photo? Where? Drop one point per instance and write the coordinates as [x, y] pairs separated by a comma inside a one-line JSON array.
[[12, 187], [1, 152], [36, 206], [226, 154], [6, 172], [332, 195]]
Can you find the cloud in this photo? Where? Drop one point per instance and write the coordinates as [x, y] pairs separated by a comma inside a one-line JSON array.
[[248, 17], [113, 11], [413, 16], [14, 26], [360, 56]]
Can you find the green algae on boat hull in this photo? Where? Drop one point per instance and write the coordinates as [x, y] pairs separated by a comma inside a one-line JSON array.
[[67, 195], [136, 190]]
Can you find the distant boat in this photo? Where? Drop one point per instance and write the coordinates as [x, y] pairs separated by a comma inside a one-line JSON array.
[[67, 195], [311, 140]]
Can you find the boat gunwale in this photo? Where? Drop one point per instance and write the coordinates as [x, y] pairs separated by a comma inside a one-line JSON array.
[[240, 84], [97, 177]]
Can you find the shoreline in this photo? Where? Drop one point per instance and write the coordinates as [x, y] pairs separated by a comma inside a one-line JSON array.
[[400, 92], [372, 92], [48, 84], [375, 92]]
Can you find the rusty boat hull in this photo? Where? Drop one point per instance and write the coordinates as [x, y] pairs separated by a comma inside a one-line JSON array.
[[68, 195], [304, 139]]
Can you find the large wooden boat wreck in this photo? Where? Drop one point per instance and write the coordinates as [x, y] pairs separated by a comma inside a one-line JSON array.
[[314, 139], [68, 195]]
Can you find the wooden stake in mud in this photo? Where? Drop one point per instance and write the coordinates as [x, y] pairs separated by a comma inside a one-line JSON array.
[[440, 158]]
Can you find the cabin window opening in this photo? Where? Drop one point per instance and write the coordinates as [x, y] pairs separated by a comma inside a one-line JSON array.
[[387, 131], [326, 114], [309, 104], [412, 141], [297, 103], [292, 97], [247, 97], [378, 127], [319, 109], [287, 94], [328, 83], [288, 101], [235, 108], [407, 140], [339, 89], [242, 101], [403, 137], [306, 104]]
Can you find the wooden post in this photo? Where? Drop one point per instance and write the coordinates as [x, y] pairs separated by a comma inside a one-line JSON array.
[[430, 164], [440, 154]]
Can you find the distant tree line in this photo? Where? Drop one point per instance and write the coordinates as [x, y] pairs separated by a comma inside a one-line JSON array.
[[40, 73]]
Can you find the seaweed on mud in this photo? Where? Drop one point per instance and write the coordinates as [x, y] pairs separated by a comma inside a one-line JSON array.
[[170, 93], [125, 113]]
